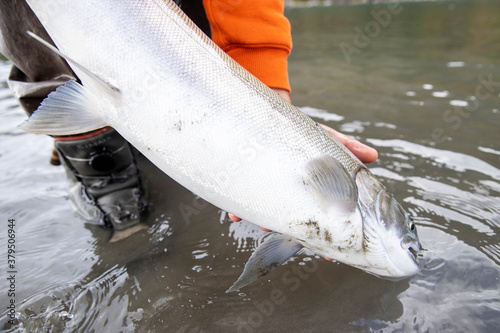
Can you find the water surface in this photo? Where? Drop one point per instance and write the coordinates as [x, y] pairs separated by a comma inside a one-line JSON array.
[[423, 89]]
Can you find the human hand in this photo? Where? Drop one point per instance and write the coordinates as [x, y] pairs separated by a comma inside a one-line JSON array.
[[235, 218], [283, 93], [365, 153]]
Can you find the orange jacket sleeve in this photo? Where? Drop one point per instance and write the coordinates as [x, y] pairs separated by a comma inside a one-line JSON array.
[[256, 34]]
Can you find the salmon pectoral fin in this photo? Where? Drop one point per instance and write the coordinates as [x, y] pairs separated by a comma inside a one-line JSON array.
[[332, 186], [273, 252]]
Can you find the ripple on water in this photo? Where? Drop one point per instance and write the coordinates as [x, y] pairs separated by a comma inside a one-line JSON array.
[[76, 308], [465, 205], [479, 211], [450, 160], [321, 114], [459, 282], [247, 236]]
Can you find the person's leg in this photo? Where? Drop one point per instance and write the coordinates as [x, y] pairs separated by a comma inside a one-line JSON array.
[[105, 184], [37, 71]]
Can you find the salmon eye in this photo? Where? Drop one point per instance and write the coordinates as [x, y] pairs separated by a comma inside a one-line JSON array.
[[411, 224]]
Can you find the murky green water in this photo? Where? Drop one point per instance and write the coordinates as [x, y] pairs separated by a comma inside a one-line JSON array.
[[421, 84]]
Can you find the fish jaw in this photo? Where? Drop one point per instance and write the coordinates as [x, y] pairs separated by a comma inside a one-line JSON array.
[[387, 257], [390, 240]]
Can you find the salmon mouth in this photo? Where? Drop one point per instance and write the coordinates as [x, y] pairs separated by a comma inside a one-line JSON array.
[[414, 252], [412, 246]]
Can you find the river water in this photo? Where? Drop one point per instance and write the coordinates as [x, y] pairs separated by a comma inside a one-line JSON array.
[[419, 81]]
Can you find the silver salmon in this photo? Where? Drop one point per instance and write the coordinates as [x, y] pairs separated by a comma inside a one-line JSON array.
[[150, 73]]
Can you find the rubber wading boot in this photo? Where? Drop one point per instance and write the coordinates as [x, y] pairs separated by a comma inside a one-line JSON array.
[[105, 183]]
